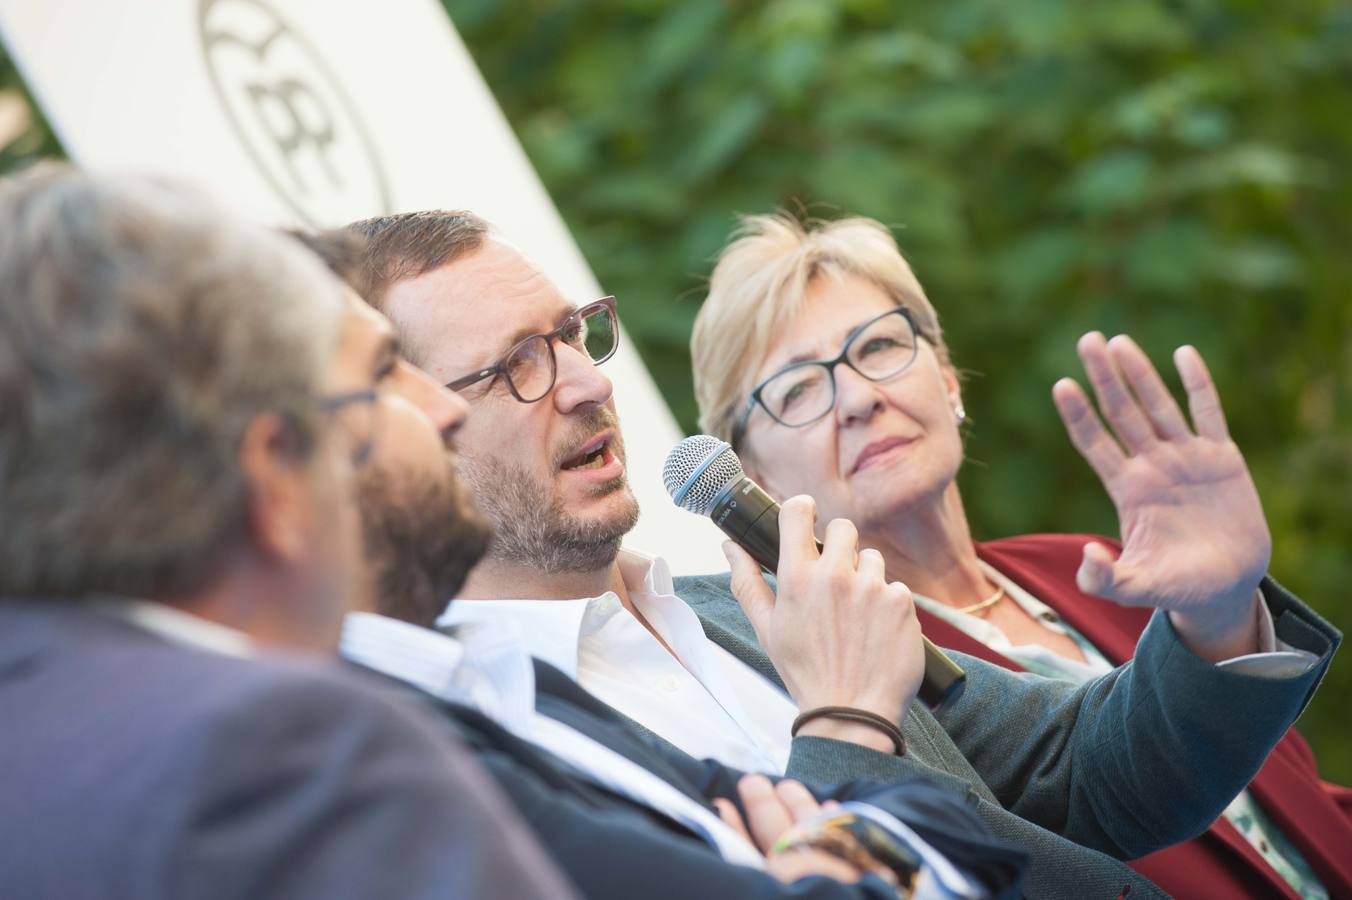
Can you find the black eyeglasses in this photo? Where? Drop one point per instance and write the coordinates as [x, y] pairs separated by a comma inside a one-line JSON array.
[[530, 367], [357, 412], [801, 393]]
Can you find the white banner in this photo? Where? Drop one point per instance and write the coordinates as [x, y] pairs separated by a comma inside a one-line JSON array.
[[314, 112]]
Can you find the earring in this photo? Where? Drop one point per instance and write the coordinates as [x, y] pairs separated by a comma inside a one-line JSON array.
[[959, 412]]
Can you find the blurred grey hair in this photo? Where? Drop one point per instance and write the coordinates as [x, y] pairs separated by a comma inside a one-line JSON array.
[[141, 331], [760, 285]]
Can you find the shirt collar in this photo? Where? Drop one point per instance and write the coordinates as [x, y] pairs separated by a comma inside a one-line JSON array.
[[644, 573], [179, 627], [551, 629], [483, 666]]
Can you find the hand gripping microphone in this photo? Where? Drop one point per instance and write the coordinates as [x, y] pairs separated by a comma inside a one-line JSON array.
[[703, 475]]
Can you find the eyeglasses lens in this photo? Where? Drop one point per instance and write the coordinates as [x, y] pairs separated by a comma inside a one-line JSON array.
[[884, 348], [804, 393], [799, 395], [598, 335], [531, 368]]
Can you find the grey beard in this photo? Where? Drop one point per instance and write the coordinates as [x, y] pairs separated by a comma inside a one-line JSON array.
[[542, 534]]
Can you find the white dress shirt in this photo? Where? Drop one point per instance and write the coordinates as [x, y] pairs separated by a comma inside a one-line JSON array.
[[178, 627], [486, 668], [704, 700]]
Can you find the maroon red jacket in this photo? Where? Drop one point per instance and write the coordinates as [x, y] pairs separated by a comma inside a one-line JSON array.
[[1314, 815]]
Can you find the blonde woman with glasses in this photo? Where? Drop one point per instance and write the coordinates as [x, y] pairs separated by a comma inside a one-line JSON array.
[[819, 358]]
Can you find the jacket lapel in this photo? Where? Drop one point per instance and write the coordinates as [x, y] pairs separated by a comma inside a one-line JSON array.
[[562, 699]]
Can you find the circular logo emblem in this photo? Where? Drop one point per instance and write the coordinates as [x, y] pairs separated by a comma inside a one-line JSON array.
[[291, 114]]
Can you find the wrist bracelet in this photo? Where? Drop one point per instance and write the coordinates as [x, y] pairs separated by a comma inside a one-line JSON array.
[[851, 714]]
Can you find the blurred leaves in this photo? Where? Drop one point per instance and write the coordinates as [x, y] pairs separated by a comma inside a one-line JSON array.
[[25, 136], [1173, 170]]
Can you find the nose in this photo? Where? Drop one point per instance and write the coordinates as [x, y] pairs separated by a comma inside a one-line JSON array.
[[857, 398], [444, 407], [580, 383]]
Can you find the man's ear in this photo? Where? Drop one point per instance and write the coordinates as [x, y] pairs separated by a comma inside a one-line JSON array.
[[277, 489]]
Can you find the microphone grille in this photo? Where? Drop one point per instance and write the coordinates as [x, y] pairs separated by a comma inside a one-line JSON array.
[[697, 470]]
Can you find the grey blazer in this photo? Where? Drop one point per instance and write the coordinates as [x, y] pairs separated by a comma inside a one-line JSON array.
[[132, 767], [1081, 777]]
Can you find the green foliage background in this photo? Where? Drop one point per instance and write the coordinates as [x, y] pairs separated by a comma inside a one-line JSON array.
[[1174, 170]]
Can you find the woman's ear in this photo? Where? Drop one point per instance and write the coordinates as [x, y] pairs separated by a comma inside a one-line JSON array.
[[953, 388]]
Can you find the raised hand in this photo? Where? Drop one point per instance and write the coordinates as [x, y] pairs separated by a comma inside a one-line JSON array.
[[838, 632], [1194, 538]]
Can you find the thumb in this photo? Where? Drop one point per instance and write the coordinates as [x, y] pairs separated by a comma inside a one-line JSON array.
[[1096, 573], [750, 589]]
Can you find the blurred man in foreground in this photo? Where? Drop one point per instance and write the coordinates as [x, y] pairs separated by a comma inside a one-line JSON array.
[[1081, 777], [182, 403]]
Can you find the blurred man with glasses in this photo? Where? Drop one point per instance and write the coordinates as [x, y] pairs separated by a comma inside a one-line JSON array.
[[183, 403]]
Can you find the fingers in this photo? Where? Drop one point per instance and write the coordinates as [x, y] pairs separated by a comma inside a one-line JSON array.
[[802, 862], [841, 547], [766, 815], [727, 811], [1119, 407], [871, 565], [1203, 401], [1135, 402], [1145, 382], [1086, 431], [797, 799], [797, 540], [750, 589]]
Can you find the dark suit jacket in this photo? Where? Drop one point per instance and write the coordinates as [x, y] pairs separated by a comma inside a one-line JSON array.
[[617, 849], [1219, 863], [1081, 776], [133, 767]]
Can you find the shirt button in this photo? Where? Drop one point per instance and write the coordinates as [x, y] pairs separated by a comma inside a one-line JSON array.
[[669, 683]]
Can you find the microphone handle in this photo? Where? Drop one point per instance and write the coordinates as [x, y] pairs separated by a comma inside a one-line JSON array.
[[750, 517]]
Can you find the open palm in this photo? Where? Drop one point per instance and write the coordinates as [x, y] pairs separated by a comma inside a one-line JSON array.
[[1194, 538]]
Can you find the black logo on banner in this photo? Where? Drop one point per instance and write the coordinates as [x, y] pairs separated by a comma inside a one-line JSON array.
[[291, 114]]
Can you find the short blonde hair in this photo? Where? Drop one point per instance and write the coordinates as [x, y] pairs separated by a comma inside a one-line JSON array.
[[760, 285]]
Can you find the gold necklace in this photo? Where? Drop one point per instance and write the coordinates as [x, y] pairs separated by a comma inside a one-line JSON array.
[[985, 604]]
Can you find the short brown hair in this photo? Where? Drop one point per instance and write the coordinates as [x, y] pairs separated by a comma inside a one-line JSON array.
[[406, 245], [343, 251], [141, 331]]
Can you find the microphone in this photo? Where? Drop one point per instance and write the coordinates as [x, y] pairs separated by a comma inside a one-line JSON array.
[[704, 476]]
